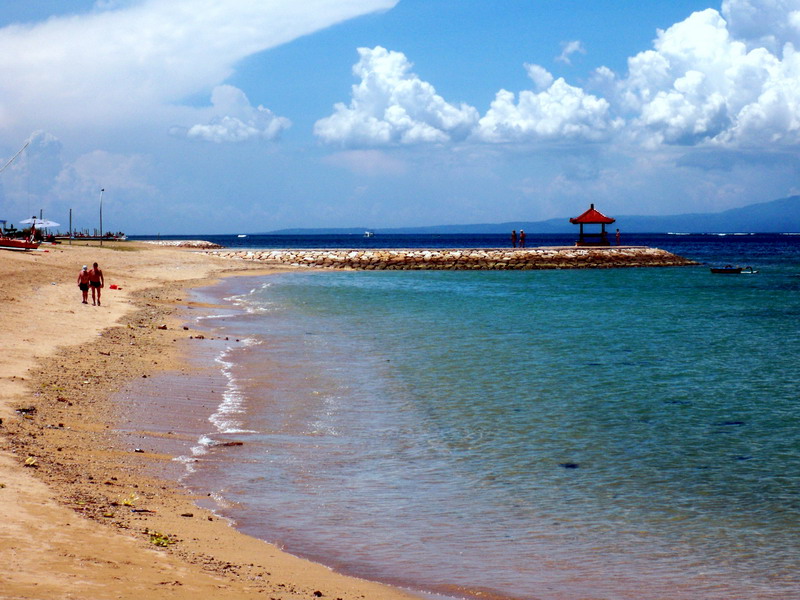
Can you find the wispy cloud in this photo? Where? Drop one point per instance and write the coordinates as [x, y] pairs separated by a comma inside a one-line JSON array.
[[104, 87], [135, 61], [568, 49], [235, 120]]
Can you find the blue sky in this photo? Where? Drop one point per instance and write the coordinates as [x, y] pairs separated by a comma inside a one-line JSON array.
[[204, 116]]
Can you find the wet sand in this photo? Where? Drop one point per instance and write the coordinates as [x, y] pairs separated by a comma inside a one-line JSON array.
[[91, 505]]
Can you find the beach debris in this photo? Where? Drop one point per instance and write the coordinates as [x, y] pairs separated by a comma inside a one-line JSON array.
[[318, 594], [30, 410], [161, 540], [187, 514], [162, 326], [228, 444], [138, 450], [32, 462], [130, 500], [142, 510]]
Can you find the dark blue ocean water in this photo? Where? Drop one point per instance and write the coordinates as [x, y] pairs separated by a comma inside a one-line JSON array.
[[616, 434], [712, 243]]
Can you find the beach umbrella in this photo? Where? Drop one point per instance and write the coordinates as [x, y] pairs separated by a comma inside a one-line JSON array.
[[40, 223]]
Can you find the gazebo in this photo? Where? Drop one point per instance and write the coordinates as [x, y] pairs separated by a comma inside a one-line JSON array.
[[593, 217]]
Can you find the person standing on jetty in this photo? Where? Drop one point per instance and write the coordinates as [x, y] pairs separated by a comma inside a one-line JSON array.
[[513, 238], [83, 283], [97, 282], [521, 238]]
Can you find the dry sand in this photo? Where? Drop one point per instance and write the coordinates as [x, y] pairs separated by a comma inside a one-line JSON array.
[[84, 514]]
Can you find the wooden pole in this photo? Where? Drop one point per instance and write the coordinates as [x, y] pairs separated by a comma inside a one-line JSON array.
[[101, 215]]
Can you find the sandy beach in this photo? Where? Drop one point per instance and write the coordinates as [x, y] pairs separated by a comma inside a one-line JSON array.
[[86, 514]]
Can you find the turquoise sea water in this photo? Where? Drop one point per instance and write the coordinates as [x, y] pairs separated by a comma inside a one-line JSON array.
[[615, 434]]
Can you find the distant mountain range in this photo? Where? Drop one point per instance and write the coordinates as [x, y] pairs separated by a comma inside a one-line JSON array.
[[777, 216]]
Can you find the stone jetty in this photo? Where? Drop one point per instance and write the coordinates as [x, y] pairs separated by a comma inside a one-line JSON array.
[[465, 259], [201, 244]]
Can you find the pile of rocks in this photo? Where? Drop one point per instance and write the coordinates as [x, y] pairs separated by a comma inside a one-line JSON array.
[[200, 244], [462, 259]]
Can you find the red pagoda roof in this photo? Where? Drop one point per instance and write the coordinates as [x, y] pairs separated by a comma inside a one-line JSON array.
[[592, 216]]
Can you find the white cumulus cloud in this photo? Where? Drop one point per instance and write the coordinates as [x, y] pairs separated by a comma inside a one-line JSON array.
[[700, 84], [560, 112], [236, 120], [725, 79], [392, 105], [764, 23], [540, 76]]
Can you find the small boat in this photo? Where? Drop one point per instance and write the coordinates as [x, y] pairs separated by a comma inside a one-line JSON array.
[[731, 270], [16, 244], [369, 234], [242, 235]]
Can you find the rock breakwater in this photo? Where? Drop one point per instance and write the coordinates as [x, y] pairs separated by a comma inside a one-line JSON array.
[[465, 259], [184, 243]]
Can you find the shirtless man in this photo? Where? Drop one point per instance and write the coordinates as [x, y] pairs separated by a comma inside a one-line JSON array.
[[83, 283], [97, 282]]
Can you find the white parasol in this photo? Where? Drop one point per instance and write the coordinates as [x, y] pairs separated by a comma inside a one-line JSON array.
[[40, 223]]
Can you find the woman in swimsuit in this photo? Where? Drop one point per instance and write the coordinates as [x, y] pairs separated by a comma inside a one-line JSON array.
[[83, 283]]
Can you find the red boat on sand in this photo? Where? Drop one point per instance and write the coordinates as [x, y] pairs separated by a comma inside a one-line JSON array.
[[17, 244]]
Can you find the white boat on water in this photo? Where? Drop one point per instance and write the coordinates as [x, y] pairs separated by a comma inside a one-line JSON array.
[[242, 235], [369, 234]]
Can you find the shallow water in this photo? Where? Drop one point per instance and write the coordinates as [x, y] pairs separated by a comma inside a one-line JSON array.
[[627, 433]]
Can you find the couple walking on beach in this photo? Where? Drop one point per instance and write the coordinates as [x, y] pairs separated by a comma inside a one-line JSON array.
[[91, 278]]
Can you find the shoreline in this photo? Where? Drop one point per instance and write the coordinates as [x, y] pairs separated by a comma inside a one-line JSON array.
[[89, 513], [220, 431]]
